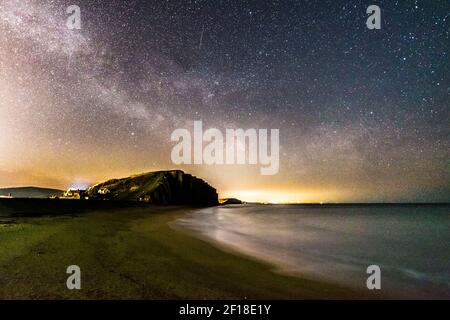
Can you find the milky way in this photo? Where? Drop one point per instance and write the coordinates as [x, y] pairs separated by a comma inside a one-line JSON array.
[[363, 114]]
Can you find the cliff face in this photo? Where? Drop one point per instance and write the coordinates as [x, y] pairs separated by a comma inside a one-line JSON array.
[[161, 187]]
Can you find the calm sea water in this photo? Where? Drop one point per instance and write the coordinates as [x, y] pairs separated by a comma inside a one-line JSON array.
[[411, 244]]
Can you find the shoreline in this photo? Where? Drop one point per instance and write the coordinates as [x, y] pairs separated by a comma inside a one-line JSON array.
[[136, 253], [300, 243], [277, 269]]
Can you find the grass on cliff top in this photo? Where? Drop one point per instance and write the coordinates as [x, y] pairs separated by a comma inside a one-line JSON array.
[[133, 186], [133, 254]]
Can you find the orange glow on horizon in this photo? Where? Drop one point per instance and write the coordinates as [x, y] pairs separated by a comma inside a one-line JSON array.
[[284, 197]]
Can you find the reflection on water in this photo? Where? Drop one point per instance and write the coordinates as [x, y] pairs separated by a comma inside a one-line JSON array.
[[411, 244]]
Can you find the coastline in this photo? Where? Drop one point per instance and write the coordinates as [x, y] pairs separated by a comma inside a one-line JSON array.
[[308, 288], [266, 280], [136, 253], [335, 244]]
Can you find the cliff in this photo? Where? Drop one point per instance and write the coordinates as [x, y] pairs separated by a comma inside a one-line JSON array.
[[161, 187], [226, 201]]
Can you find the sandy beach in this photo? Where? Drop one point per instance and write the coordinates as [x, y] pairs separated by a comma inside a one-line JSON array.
[[136, 253]]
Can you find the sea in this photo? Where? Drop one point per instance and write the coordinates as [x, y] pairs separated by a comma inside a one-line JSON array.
[[410, 243]]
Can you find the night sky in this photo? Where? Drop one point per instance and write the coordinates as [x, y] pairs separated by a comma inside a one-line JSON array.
[[363, 114]]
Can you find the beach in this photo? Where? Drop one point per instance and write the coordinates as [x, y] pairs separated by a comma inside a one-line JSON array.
[[137, 253], [340, 243]]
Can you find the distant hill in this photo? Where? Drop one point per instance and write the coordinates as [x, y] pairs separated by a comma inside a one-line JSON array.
[[229, 201], [160, 187], [30, 192]]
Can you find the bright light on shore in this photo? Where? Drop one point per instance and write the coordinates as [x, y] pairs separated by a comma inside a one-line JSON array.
[[79, 185]]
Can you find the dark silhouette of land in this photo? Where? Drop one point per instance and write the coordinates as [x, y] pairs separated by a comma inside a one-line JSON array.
[[30, 192]]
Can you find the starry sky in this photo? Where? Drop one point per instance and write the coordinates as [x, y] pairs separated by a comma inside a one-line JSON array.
[[363, 114]]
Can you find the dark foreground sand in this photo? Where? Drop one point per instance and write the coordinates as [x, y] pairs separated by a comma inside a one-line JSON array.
[[134, 253]]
